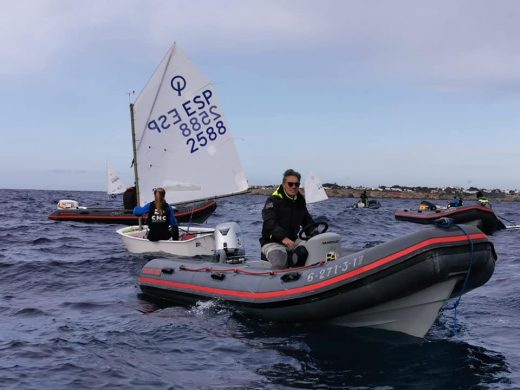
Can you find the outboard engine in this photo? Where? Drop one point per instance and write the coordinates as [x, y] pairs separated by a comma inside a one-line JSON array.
[[70, 204], [325, 246], [228, 243]]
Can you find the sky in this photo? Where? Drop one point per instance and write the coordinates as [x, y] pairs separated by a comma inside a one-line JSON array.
[[364, 92]]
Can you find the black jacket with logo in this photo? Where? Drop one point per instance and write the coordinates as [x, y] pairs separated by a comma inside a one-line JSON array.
[[283, 217], [159, 222]]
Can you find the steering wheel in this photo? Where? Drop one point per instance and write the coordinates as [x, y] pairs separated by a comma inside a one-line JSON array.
[[315, 225]]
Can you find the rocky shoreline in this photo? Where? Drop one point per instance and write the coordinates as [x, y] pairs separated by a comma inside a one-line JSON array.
[[355, 193]]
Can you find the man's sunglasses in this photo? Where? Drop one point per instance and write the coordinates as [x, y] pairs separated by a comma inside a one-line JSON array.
[[292, 184]]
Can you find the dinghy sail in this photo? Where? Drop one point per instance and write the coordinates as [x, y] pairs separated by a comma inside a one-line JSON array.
[[114, 184], [183, 142], [314, 191]]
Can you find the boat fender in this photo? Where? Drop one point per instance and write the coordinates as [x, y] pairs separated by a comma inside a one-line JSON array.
[[291, 277], [168, 271], [218, 276]]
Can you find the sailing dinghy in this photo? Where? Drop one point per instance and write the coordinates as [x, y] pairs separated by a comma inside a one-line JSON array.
[[115, 185], [177, 121], [314, 191]]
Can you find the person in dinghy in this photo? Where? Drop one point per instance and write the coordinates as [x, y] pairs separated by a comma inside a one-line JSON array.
[[161, 221], [284, 214]]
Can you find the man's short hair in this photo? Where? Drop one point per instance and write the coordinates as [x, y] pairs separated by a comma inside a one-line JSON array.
[[291, 172]]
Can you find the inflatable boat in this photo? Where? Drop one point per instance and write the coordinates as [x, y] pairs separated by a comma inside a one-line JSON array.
[[195, 212], [400, 285], [483, 217], [372, 204]]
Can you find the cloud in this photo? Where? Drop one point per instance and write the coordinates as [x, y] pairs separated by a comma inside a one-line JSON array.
[[444, 45]]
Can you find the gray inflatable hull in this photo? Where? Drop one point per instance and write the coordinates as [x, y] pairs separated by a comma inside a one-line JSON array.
[[383, 286]]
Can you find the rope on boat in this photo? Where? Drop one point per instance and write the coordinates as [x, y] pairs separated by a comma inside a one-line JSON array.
[[505, 219], [445, 223], [245, 272]]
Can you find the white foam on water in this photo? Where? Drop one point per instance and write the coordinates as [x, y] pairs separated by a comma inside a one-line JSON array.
[[202, 307]]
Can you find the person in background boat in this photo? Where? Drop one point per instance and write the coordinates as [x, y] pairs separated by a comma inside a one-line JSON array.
[[364, 198], [129, 198], [161, 220], [456, 202], [284, 213], [483, 200]]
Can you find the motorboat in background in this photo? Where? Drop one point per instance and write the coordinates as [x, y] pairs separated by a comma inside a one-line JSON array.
[[371, 204], [70, 210], [483, 217]]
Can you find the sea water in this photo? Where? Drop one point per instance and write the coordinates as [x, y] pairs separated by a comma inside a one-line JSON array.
[[71, 316]]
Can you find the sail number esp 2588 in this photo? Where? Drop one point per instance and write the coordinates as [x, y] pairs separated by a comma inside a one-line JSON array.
[[197, 119]]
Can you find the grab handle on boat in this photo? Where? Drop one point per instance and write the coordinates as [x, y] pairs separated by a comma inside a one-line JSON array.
[[291, 277], [218, 276], [444, 222]]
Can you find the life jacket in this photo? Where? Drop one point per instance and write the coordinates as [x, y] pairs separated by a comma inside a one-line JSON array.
[[157, 222]]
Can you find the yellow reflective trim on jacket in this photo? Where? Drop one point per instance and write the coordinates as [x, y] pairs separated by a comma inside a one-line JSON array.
[[278, 194]]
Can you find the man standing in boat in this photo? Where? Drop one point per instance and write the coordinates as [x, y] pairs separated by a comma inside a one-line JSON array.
[[482, 200], [161, 220], [364, 198], [284, 213]]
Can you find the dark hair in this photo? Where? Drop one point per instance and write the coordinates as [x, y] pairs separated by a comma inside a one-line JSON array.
[[291, 172], [160, 190]]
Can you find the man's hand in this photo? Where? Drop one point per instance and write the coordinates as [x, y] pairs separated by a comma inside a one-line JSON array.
[[289, 243]]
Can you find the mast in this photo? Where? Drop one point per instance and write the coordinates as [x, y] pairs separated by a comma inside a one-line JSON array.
[[134, 149]]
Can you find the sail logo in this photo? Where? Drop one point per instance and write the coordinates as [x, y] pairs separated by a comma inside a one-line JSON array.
[[178, 84]]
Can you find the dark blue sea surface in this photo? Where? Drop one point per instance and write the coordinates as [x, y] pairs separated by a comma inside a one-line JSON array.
[[71, 315]]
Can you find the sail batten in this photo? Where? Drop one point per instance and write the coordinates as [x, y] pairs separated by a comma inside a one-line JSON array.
[[183, 140]]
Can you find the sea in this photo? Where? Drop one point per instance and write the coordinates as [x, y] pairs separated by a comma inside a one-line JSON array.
[[72, 317]]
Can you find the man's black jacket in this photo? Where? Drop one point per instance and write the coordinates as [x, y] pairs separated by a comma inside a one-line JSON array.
[[283, 217]]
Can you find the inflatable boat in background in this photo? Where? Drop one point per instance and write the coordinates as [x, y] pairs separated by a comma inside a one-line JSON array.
[[372, 204], [400, 285], [483, 217], [197, 212]]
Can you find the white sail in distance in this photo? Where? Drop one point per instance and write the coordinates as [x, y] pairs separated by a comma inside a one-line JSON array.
[[183, 141], [314, 191], [114, 183]]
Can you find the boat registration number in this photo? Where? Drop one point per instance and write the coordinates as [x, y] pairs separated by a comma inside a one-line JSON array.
[[333, 270], [199, 120]]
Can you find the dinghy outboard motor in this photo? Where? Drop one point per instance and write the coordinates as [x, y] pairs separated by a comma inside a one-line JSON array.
[[69, 204], [228, 243]]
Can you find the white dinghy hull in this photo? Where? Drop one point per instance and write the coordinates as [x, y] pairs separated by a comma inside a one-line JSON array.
[[199, 241]]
